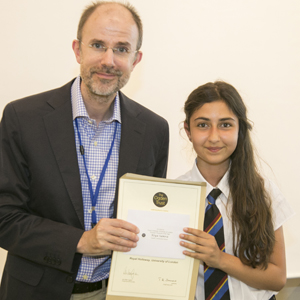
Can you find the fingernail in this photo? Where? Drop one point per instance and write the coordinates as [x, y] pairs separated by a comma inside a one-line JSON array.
[[181, 235]]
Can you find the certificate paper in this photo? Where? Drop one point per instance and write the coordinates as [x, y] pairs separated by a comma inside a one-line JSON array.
[[156, 268], [158, 236]]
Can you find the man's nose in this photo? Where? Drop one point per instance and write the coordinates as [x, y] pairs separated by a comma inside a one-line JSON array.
[[108, 57]]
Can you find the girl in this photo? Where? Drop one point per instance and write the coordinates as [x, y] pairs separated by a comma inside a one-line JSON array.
[[252, 208]]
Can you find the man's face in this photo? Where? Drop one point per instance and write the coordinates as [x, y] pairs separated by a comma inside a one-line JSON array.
[[105, 73]]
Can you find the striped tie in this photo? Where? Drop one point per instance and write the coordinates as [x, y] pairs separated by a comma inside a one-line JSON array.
[[215, 280]]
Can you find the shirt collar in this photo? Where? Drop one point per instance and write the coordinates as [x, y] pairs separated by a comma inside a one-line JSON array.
[[222, 185], [78, 107]]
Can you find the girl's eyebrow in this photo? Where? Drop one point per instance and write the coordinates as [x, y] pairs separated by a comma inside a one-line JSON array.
[[228, 119], [202, 118], [223, 119]]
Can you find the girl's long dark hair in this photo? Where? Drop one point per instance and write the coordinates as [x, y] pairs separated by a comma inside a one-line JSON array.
[[251, 206]]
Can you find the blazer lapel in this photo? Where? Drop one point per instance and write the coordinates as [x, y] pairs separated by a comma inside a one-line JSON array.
[[59, 127], [132, 137]]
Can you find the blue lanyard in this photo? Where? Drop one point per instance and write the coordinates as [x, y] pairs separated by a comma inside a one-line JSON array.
[[94, 197]]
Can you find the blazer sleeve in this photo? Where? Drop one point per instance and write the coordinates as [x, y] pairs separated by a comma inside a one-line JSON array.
[[24, 231]]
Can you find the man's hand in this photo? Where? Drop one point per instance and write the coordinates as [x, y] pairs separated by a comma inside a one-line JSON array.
[[107, 235]]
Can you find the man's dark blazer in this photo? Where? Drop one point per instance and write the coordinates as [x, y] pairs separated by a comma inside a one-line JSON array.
[[41, 209]]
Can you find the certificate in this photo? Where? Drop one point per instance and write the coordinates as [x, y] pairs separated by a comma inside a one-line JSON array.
[[156, 268]]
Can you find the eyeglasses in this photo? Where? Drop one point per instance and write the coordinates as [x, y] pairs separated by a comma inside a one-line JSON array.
[[121, 52]]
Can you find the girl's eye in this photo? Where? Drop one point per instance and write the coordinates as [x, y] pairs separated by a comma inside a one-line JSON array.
[[226, 125], [202, 125]]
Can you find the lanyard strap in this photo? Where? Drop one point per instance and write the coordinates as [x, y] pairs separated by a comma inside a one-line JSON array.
[[94, 197]]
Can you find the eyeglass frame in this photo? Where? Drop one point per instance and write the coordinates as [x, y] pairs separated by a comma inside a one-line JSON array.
[[114, 49]]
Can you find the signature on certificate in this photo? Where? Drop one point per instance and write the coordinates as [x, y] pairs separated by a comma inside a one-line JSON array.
[[167, 281], [130, 273]]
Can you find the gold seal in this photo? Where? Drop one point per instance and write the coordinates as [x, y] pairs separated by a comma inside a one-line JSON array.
[[160, 199]]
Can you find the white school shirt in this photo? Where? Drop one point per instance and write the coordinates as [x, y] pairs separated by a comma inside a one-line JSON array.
[[282, 211]]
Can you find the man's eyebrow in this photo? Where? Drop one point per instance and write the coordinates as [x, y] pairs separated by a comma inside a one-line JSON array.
[[123, 43], [96, 41], [127, 44]]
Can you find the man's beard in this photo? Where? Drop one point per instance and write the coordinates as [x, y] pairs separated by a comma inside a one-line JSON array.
[[104, 87]]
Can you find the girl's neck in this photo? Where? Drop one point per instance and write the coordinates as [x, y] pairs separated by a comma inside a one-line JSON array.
[[212, 173]]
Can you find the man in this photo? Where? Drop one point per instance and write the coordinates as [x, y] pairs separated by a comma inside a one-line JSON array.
[[62, 153]]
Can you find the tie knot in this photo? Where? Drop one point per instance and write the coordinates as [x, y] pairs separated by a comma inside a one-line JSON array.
[[213, 195]]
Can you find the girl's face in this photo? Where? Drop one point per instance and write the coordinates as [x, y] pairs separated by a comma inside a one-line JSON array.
[[214, 133]]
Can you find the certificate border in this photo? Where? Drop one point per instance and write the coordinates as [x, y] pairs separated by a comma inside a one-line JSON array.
[[196, 262]]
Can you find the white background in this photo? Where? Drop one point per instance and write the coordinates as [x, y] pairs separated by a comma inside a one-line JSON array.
[[252, 44]]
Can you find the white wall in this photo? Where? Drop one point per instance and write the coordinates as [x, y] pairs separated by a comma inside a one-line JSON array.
[[252, 44]]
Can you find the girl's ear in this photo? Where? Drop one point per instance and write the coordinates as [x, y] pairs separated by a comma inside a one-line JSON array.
[[187, 131]]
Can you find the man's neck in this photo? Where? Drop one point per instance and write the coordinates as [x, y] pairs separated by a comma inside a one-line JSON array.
[[99, 108]]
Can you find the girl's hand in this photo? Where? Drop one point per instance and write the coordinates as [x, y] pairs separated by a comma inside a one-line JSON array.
[[205, 247]]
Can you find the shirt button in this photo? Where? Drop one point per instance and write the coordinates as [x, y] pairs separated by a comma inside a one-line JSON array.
[[95, 143], [85, 277], [90, 121], [93, 177]]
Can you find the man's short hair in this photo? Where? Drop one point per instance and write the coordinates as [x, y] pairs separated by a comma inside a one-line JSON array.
[[92, 7]]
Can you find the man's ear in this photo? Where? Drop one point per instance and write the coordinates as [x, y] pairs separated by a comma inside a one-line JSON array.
[[187, 131], [76, 49], [138, 58]]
